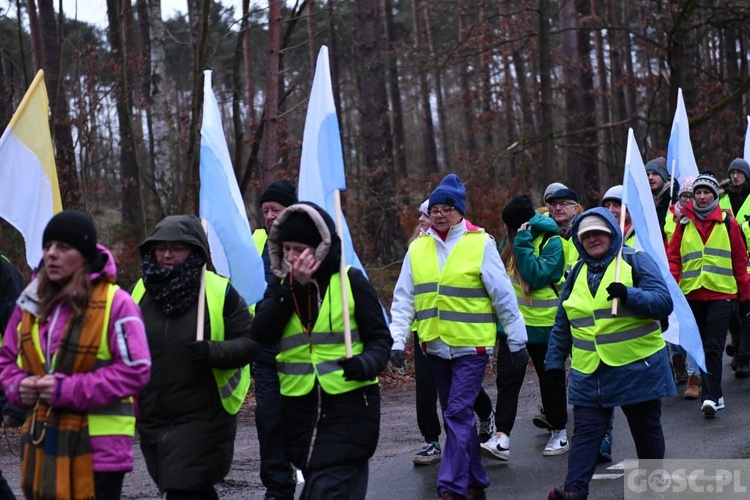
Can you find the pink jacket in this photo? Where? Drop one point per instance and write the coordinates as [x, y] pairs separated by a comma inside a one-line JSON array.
[[126, 376]]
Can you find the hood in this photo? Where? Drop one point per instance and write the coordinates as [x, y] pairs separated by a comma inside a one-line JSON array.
[[104, 264], [614, 247], [328, 251], [182, 228], [542, 224]]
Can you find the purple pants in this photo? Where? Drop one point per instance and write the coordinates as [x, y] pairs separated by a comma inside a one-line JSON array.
[[458, 382]]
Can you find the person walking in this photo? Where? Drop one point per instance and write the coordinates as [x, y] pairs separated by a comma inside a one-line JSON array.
[[276, 473], [563, 207], [426, 392], [534, 257], [451, 282], [662, 190], [616, 360], [188, 409], [708, 258], [74, 355], [330, 403]]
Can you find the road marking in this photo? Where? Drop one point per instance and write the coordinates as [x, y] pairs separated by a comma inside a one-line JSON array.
[[617, 466], [607, 476]]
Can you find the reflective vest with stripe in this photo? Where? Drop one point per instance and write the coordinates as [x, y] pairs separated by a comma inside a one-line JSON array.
[[726, 205], [746, 232], [597, 335], [453, 304], [233, 384], [117, 419], [707, 266], [571, 254], [540, 307], [304, 358], [259, 238]]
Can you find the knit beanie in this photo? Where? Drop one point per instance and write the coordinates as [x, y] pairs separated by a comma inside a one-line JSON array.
[[75, 228], [593, 223], [562, 194], [741, 165], [613, 194], [686, 186], [423, 208], [300, 228], [282, 192], [519, 210], [707, 181], [450, 192], [553, 188], [658, 165]]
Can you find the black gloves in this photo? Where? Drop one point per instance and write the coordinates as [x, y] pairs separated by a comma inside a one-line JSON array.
[[617, 291], [519, 359], [354, 369], [198, 352], [397, 358]]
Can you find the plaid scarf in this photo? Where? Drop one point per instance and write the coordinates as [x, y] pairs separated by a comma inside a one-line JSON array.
[[56, 449]]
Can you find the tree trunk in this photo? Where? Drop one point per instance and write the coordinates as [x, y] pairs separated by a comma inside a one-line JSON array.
[[605, 133], [62, 132], [485, 58], [131, 206], [546, 130], [380, 206], [312, 35], [333, 54], [37, 49], [429, 151], [397, 115], [271, 145], [466, 97], [437, 75]]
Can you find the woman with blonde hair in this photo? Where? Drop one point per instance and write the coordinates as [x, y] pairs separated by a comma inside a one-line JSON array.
[[75, 354]]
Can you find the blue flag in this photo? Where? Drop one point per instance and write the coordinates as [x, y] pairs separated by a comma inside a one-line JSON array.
[[636, 195], [229, 236], [680, 150], [747, 141], [321, 169]]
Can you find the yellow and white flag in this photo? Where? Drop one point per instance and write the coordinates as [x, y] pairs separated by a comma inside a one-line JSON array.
[[29, 193]]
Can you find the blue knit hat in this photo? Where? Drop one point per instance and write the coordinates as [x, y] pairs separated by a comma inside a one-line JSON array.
[[450, 192]]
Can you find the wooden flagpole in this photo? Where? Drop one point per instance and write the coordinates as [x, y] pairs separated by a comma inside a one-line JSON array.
[[201, 296], [342, 275], [615, 301]]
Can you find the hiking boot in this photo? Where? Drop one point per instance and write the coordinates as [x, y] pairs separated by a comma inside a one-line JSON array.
[[476, 494], [679, 368], [558, 444], [487, 428], [447, 495], [605, 449], [564, 493], [693, 390], [540, 420], [709, 408], [497, 447], [429, 454], [743, 366]]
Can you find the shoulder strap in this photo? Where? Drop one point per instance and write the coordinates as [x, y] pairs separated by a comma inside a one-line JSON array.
[[629, 255], [728, 223]]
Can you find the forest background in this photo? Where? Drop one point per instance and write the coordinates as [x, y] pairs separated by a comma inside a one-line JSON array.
[[510, 95]]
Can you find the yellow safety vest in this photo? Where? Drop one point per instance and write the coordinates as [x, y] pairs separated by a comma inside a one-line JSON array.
[[707, 266], [304, 358], [746, 232], [260, 236], [117, 419], [669, 226], [233, 384], [452, 305], [540, 307], [726, 205], [571, 254], [597, 335]]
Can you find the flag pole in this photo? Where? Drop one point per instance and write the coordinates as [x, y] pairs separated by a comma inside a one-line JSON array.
[[342, 275], [201, 296], [671, 179], [618, 263]]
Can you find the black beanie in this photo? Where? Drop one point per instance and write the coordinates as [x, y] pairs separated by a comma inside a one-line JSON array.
[[519, 210], [282, 192], [75, 228], [300, 228]]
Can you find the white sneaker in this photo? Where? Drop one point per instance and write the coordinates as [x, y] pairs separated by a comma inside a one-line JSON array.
[[558, 444], [497, 447], [720, 406], [709, 408]]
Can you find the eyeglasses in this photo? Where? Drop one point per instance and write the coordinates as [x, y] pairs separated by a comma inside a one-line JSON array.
[[686, 196], [561, 203], [434, 211], [173, 249]]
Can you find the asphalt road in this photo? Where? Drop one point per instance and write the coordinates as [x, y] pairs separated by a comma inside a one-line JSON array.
[[531, 475]]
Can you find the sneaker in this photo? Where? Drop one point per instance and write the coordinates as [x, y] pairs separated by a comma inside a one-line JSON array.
[[743, 366], [497, 447], [487, 428], [540, 420], [720, 404], [558, 444], [564, 493], [429, 454], [709, 408], [693, 390], [605, 449]]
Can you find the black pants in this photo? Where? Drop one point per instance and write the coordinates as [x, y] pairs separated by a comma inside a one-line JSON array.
[[427, 415], [108, 485], [712, 318], [276, 473], [204, 494], [338, 482], [509, 383]]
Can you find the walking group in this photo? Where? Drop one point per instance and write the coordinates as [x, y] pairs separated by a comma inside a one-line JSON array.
[[83, 361]]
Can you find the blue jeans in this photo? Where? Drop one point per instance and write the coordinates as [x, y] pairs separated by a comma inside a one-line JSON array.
[[458, 382], [590, 425], [276, 472]]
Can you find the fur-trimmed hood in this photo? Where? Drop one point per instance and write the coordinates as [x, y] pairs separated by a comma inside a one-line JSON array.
[[328, 251]]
